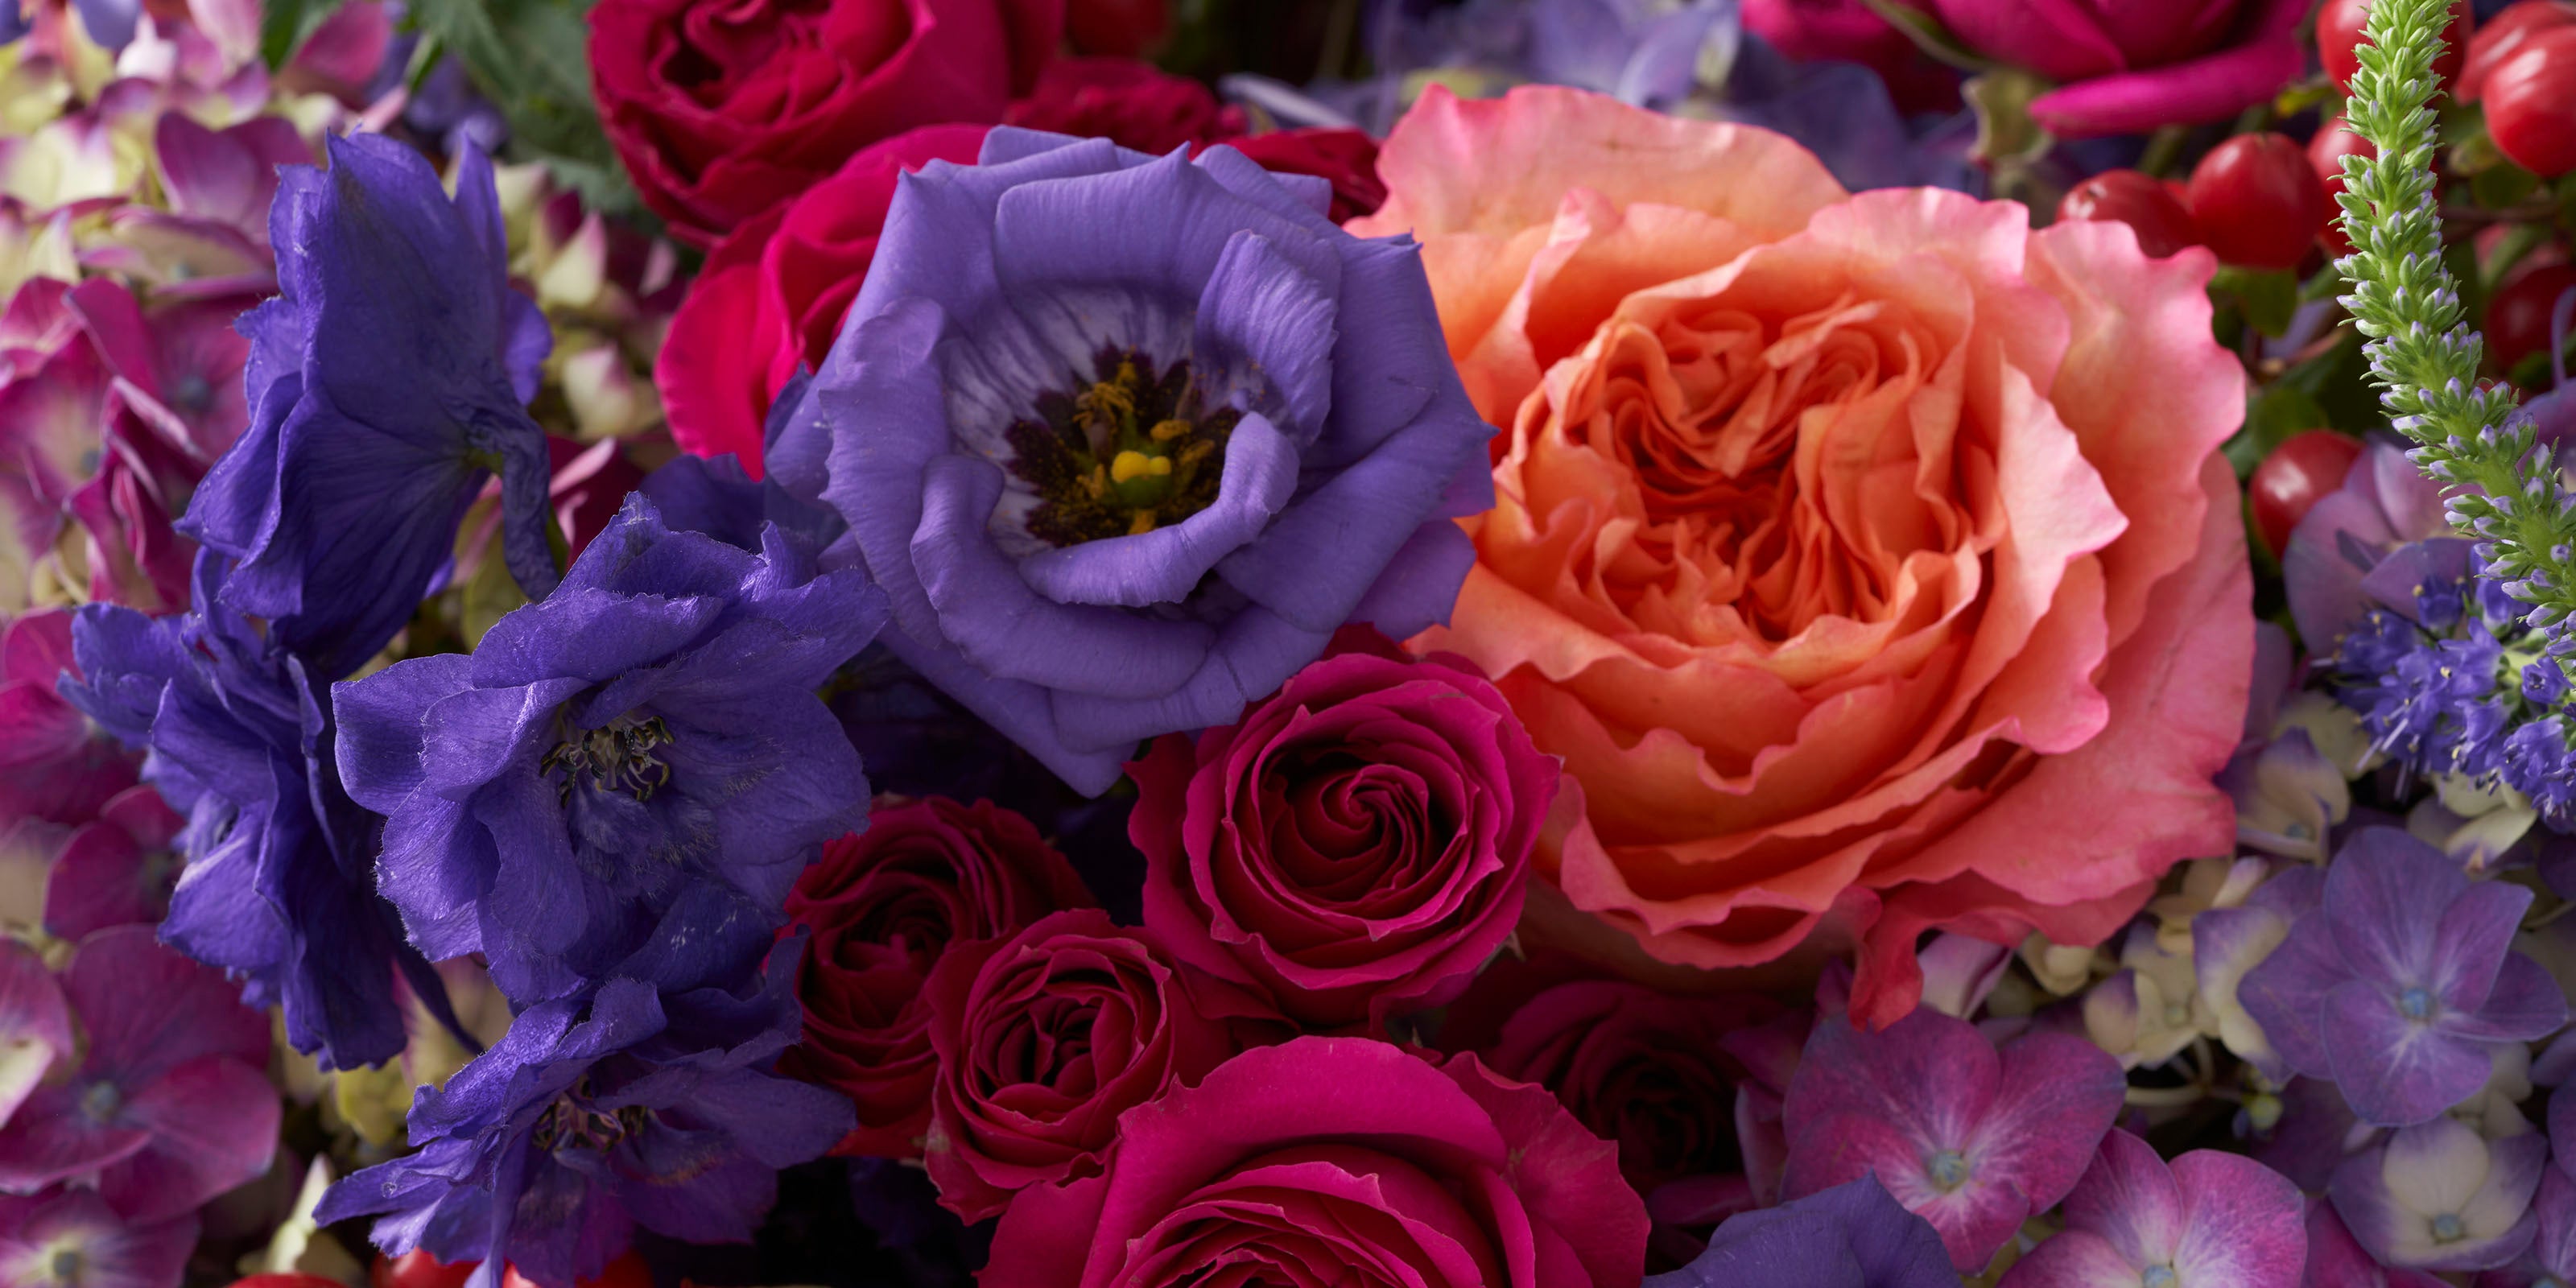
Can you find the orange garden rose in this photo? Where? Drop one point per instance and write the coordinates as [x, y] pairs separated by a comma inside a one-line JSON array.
[[1867, 558]]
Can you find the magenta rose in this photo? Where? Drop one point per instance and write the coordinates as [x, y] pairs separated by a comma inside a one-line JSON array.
[[1046, 1037], [1355, 846], [2126, 67], [722, 111], [883, 905], [1331, 1161]]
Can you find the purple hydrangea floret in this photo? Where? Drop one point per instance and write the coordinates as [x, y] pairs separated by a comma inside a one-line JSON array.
[[1126, 439], [592, 1118], [1853, 1235], [2395, 985], [387, 381], [280, 884], [2206, 1220], [636, 765]]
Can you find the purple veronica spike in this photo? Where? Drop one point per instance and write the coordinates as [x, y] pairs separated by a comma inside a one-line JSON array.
[[72, 1238], [1126, 439], [2395, 984], [636, 764], [1972, 1139], [386, 382], [2438, 1196], [589, 1119], [169, 1105], [280, 885], [1853, 1235], [2209, 1220]]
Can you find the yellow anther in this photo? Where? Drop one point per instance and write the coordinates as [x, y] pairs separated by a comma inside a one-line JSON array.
[[1137, 465], [1166, 431], [1197, 452], [1096, 482], [1141, 524]]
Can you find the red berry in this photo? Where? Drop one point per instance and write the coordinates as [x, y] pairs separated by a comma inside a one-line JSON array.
[[418, 1269], [628, 1271], [2257, 201], [2339, 31], [286, 1279], [2294, 477], [2517, 321], [1117, 28], [2503, 36], [2139, 200], [2531, 104], [2333, 142]]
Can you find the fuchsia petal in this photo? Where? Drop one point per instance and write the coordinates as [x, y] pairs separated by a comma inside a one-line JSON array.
[[2060, 1094], [116, 871], [52, 1139], [227, 176], [35, 1025], [148, 1010], [2073, 1259], [40, 1236], [213, 1125], [2246, 1226], [2130, 1198]]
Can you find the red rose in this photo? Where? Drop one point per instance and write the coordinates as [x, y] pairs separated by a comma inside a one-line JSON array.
[[1133, 103], [1045, 1038], [723, 109], [1346, 159], [883, 905], [1356, 846], [1336, 1160], [772, 294]]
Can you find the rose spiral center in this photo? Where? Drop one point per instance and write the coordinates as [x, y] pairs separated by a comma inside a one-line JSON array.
[[1134, 449]]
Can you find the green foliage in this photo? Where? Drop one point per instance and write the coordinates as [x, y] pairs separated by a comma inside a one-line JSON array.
[[284, 25], [531, 59], [2422, 354]]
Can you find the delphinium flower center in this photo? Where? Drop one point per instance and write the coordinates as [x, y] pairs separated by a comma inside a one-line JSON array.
[[619, 756], [1131, 451], [2416, 1004], [1948, 1169], [2158, 1277], [571, 1122], [2447, 1228]]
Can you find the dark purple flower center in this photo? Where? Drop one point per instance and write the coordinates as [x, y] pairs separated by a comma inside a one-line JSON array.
[[617, 757], [1127, 453], [571, 1122]]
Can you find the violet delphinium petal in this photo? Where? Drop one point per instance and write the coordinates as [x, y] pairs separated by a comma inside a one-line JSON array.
[[170, 1104], [592, 1117], [2438, 1196], [1972, 1139], [386, 383], [1125, 439], [2395, 984], [1852, 1235], [280, 886], [2208, 1220], [636, 764]]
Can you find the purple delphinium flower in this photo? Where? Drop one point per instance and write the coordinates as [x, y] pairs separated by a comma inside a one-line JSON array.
[[2207, 1220], [72, 1238], [1853, 1235], [2438, 1196], [638, 763], [2395, 984], [280, 883], [1126, 439], [1972, 1139], [591, 1118], [169, 1104], [386, 383]]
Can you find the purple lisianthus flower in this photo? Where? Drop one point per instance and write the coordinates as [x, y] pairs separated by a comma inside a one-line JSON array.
[[1973, 1139], [2439, 1196], [386, 383], [2399, 979], [72, 1238], [636, 764], [593, 1117], [169, 1104], [1853, 1235], [280, 883], [1126, 439], [2207, 1220]]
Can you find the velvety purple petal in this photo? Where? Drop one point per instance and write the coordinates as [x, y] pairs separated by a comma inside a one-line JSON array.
[[1420, 584], [877, 417], [1163, 566], [1254, 653], [1260, 308], [992, 617], [1777, 1249], [1160, 228], [437, 863], [109, 22], [2394, 1070], [379, 721], [2246, 1224], [1389, 363], [1022, 712]]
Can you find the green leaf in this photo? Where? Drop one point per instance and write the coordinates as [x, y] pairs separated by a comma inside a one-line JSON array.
[[532, 59], [2269, 299], [2005, 131], [2280, 411], [284, 26]]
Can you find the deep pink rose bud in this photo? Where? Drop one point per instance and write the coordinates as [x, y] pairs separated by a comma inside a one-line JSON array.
[[1356, 846], [2127, 67]]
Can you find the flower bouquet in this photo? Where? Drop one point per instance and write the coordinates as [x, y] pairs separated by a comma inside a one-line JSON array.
[[1357, 644]]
